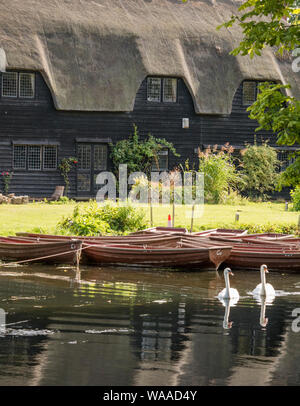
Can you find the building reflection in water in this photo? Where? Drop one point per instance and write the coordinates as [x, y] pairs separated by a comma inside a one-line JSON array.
[[110, 330]]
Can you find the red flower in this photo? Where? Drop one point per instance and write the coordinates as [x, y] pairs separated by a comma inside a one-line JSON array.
[[75, 162]]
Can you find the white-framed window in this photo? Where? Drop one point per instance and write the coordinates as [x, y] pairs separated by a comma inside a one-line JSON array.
[[84, 156], [162, 90], [154, 89], [49, 157], [249, 92], [9, 84], [161, 163], [26, 85], [19, 157], [18, 85], [100, 157], [169, 90], [35, 157]]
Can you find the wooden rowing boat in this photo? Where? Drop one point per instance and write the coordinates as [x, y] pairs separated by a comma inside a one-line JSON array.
[[166, 240], [277, 255], [62, 252], [200, 257], [276, 259]]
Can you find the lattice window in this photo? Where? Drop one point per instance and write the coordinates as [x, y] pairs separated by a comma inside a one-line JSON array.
[[154, 89], [84, 156], [285, 159], [9, 84], [34, 157], [249, 93], [100, 157], [26, 85], [50, 157], [170, 90], [162, 162], [19, 157]]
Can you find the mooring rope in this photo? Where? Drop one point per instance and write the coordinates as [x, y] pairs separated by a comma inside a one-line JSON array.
[[76, 251]]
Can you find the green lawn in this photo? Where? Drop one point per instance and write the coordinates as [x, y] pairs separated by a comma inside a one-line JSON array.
[[39, 217]]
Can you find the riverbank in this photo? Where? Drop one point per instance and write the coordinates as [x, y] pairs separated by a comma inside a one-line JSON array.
[[259, 217]]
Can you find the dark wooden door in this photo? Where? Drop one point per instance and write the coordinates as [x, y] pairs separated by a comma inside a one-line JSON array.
[[92, 159]]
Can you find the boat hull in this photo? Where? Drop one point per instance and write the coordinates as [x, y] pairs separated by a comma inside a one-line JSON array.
[[64, 252], [154, 257]]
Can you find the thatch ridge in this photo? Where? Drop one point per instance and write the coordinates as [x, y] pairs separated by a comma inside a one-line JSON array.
[[94, 54]]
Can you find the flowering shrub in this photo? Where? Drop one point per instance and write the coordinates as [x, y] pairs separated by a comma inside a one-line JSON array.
[[6, 176], [105, 219], [220, 174]]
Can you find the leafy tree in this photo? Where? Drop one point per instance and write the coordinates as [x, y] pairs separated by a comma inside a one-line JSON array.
[[284, 121], [267, 23], [139, 155], [273, 23], [220, 174], [259, 164]]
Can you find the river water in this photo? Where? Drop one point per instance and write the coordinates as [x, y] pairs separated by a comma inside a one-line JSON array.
[[131, 327]]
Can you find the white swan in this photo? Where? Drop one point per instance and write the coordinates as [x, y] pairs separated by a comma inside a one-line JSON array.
[[227, 303], [228, 292], [263, 320], [264, 289]]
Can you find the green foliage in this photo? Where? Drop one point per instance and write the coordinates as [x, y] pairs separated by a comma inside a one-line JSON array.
[[255, 228], [61, 200], [259, 163], [280, 113], [105, 219], [139, 155], [277, 112], [264, 24], [65, 167], [291, 176], [273, 23], [220, 174], [6, 177], [295, 195]]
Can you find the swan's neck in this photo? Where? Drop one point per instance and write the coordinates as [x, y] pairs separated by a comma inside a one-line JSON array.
[[227, 311], [263, 282], [263, 313], [227, 284], [226, 316]]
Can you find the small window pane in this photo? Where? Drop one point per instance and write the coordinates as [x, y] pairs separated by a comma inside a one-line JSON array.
[[285, 159], [153, 89], [84, 156], [161, 164], [9, 84], [19, 157], [83, 182], [26, 83], [170, 90], [100, 157], [249, 93], [34, 158], [50, 157]]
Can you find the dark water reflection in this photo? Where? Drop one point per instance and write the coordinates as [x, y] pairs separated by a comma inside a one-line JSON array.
[[138, 327]]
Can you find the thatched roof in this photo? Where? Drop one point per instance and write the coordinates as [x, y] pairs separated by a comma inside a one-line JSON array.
[[94, 54]]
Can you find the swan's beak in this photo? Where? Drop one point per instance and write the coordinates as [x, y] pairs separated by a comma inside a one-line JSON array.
[[266, 270], [231, 273]]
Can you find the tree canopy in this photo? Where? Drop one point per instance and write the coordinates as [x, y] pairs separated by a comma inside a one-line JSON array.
[[274, 23]]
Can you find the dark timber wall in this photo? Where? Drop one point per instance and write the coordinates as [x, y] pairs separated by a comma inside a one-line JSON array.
[[38, 121]]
